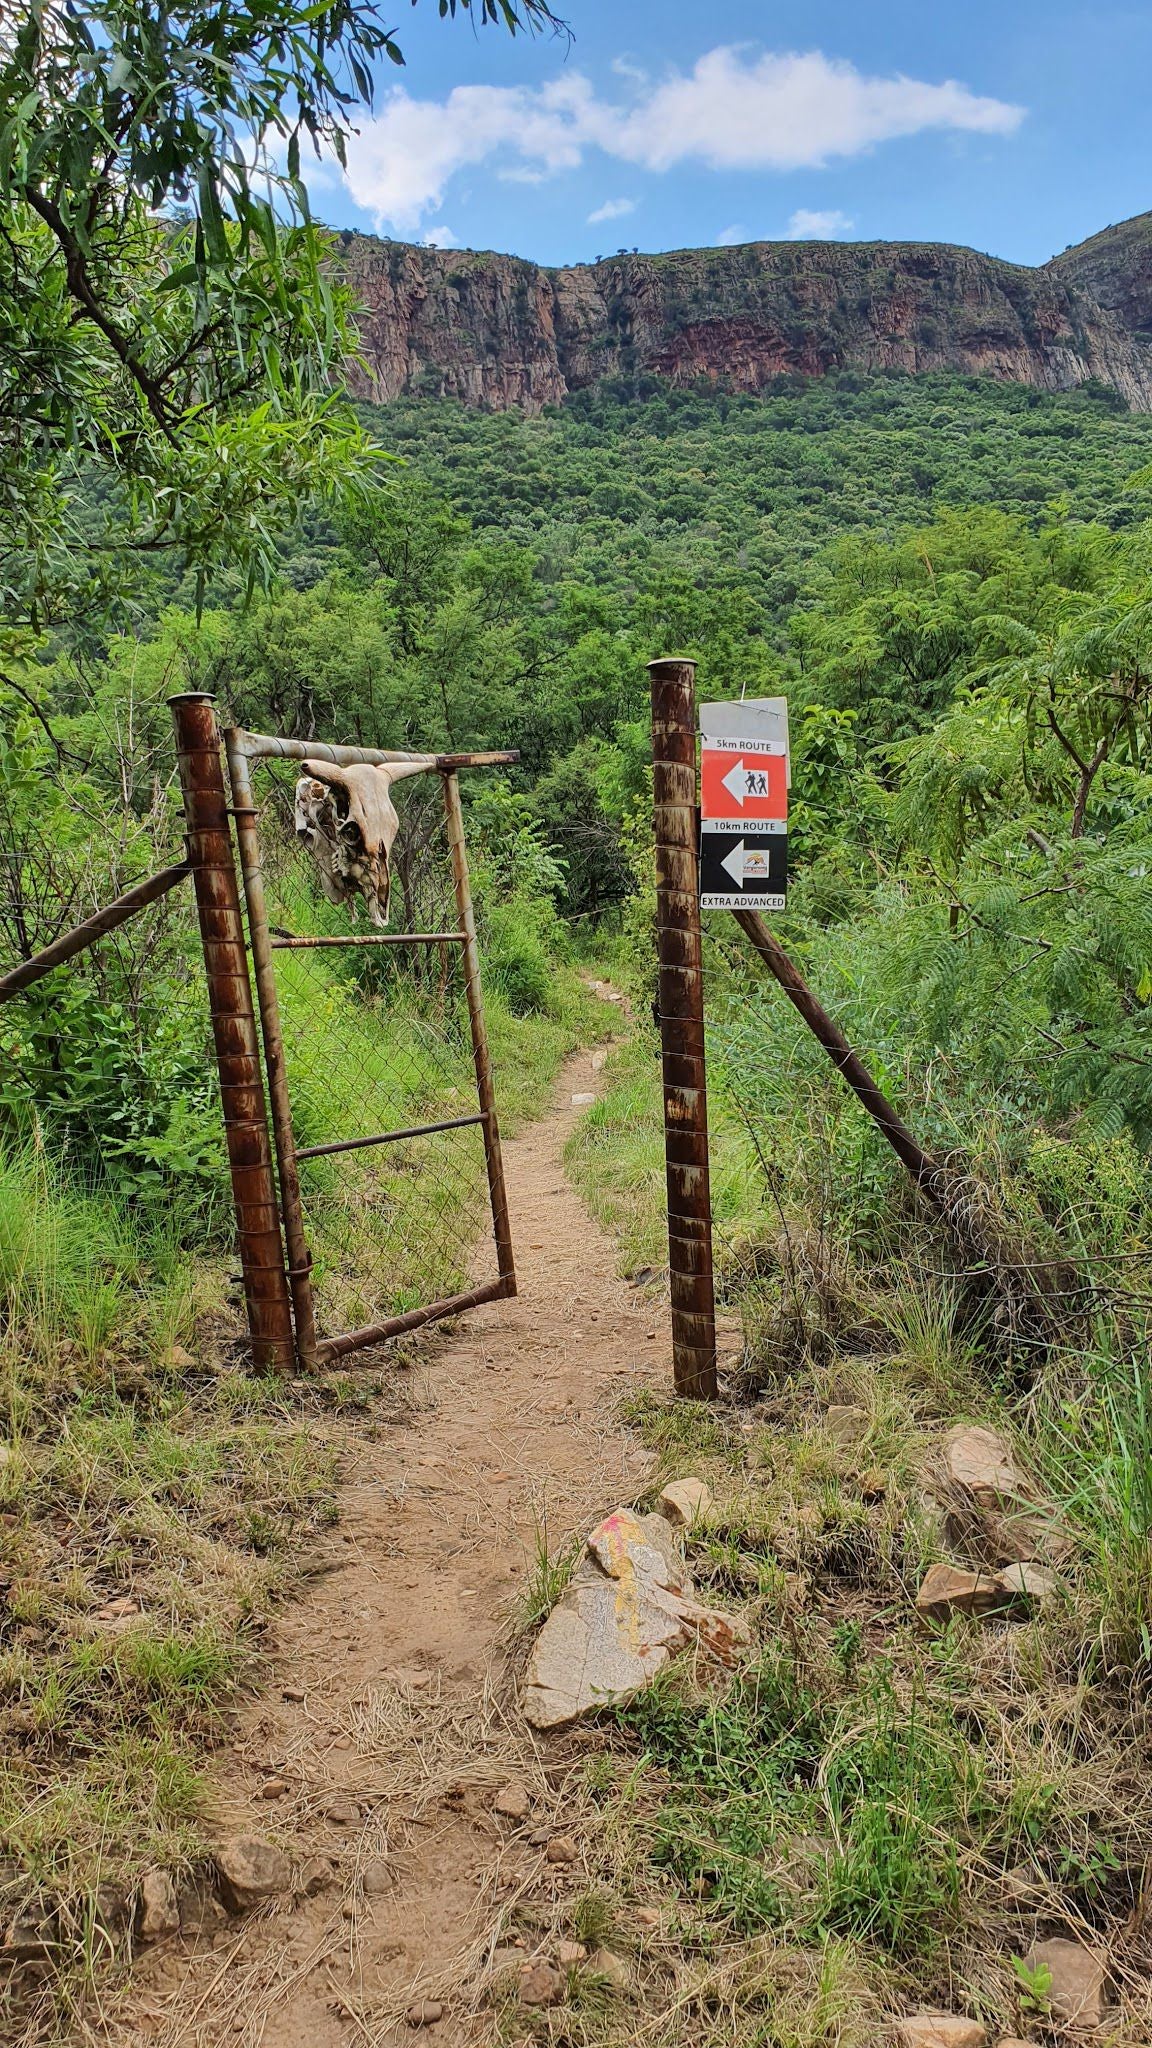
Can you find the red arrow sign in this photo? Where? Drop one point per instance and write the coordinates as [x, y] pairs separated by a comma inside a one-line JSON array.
[[742, 783]]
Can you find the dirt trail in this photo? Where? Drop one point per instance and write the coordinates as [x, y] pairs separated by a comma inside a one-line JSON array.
[[390, 1713]]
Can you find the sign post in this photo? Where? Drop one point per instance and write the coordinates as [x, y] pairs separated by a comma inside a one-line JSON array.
[[681, 1009]]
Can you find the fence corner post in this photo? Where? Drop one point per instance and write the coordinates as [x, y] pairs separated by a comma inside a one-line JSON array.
[[681, 1007], [242, 1098]]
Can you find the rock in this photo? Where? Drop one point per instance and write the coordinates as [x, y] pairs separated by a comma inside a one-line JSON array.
[[250, 1870], [121, 1609], [316, 1876], [343, 1813], [646, 1918], [541, 1983], [684, 1501], [980, 1463], [562, 1849], [598, 1061], [295, 1693], [939, 2030], [176, 1359], [274, 1788], [425, 2013], [376, 1878], [611, 1969], [1078, 1992], [946, 1590], [506, 1958], [114, 1908], [569, 1952], [1029, 1585], [846, 1424], [158, 1913], [513, 1801], [581, 1101], [628, 1608], [30, 1936], [1013, 2041], [873, 1484]]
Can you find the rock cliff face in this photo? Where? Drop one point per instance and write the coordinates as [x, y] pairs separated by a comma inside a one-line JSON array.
[[499, 332]]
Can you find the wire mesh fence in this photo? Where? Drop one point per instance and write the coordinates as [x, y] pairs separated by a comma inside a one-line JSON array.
[[376, 1041]]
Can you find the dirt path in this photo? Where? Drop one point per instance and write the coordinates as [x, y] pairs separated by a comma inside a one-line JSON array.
[[390, 1717]]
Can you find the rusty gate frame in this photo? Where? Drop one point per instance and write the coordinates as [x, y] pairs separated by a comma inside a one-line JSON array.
[[278, 1277]]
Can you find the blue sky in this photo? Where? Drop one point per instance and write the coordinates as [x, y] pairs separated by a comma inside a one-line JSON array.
[[1017, 128]]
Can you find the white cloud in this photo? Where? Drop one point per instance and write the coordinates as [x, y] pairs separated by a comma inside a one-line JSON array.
[[735, 110], [809, 226], [438, 238], [612, 209], [728, 237]]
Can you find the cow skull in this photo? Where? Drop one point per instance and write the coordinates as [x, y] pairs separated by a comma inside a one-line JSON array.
[[348, 822]]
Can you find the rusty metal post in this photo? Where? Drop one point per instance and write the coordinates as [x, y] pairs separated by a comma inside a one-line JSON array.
[[501, 1224], [234, 1030], [275, 1067], [681, 1005]]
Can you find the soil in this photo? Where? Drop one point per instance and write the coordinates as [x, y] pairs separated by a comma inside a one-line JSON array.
[[390, 1721]]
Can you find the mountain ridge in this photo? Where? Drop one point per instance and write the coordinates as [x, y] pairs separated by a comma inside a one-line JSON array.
[[504, 333]]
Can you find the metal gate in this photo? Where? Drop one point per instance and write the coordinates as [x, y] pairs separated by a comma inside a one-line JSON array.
[[379, 1106]]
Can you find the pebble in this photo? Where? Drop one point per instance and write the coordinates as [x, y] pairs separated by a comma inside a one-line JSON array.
[[562, 1849], [513, 1801], [569, 1952], [1078, 1992], [274, 1788], [376, 1879], [425, 2013], [541, 1983], [250, 1869], [316, 1876], [295, 1693]]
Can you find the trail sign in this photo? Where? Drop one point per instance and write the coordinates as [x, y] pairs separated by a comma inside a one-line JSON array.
[[742, 867], [741, 779], [744, 804]]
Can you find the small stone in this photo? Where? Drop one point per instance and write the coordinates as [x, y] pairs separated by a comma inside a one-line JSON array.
[[176, 1359], [1078, 1992], [425, 2013], [30, 1937], [611, 1969], [343, 1813], [541, 1983], [569, 1952], [250, 1870], [295, 1693], [873, 1484], [376, 1879], [597, 1061], [274, 1788], [1013, 2041], [582, 1101], [506, 1958], [158, 1913], [1021, 1882], [946, 1590], [940, 2030], [1029, 1585], [981, 1464], [561, 1849], [646, 1917], [120, 1609], [846, 1424], [316, 1876], [513, 1801], [684, 1501]]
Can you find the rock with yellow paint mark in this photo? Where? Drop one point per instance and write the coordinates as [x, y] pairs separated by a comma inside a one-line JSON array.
[[629, 1607]]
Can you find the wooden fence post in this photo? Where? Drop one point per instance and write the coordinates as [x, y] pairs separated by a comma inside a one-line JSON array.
[[242, 1098], [681, 1006]]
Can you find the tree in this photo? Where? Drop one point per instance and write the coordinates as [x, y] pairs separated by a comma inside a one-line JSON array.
[[167, 319]]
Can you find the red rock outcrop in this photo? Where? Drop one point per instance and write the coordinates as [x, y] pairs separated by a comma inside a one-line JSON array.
[[499, 332]]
